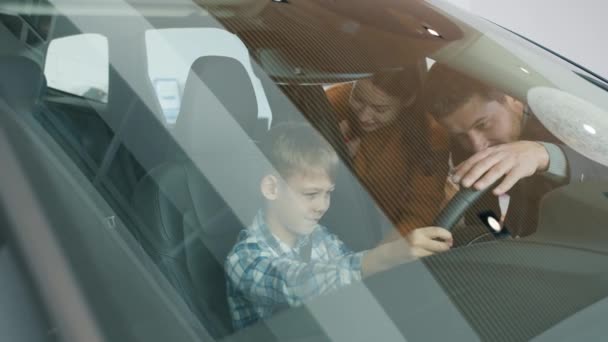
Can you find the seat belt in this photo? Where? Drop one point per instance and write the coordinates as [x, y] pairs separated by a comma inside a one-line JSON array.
[[306, 251]]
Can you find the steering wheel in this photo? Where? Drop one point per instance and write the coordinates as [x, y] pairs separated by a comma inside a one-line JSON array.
[[458, 205], [453, 212]]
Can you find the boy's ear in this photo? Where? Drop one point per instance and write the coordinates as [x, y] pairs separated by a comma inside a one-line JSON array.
[[270, 187]]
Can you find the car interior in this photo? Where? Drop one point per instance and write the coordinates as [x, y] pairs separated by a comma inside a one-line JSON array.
[[178, 188], [162, 183]]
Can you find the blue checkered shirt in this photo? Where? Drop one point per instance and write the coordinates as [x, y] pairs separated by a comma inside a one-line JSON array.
[[264, 275]]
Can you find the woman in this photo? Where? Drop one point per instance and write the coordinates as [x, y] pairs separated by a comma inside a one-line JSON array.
[[396, 154]]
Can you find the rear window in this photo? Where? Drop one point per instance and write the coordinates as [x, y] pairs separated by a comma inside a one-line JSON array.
[[79, 65], [171, 53]]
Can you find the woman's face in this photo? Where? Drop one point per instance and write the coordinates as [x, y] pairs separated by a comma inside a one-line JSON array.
[[372, 106]]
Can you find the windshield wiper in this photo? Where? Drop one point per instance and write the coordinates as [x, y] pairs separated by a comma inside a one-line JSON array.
[[595, 81]]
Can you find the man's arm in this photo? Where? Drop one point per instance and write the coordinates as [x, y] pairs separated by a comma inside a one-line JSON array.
[[569, 166], [511, 162], [557, 170], [520, 159], [581, 168]]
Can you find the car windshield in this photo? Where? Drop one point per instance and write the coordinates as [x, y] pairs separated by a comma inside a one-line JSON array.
[[335, 170]]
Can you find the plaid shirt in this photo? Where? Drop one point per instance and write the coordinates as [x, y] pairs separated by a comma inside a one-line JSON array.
[[264, 275]]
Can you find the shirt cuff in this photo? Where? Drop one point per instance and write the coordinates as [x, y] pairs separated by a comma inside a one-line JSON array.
[[558, 164], [353, 268]]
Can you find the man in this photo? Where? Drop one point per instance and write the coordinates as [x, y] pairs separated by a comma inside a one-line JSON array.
[[494, 136]]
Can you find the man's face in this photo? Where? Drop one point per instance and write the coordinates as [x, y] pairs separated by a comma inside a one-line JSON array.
[[303, 198], [372, 106], [479, 123]]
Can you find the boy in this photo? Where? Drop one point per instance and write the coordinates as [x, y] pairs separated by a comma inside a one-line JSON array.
[[285, 258]]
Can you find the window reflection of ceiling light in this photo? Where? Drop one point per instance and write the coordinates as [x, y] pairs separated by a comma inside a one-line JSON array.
[[524, 70], [432, 32], [494, 224], [589, 129]]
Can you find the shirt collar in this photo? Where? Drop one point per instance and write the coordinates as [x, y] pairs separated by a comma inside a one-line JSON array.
[[260, 227]]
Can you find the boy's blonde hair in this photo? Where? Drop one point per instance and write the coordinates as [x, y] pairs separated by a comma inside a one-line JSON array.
[[299, 148]]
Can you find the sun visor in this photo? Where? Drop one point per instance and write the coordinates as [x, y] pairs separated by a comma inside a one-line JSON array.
[[298, 37]]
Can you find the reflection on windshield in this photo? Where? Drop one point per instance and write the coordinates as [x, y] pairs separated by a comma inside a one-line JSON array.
[[578, 123], [368, 149]]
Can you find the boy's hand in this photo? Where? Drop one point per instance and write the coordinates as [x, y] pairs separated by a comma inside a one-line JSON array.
[[514, 161], [429, 240]]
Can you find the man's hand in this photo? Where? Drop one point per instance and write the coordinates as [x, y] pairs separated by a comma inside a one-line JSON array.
[[514, 161]]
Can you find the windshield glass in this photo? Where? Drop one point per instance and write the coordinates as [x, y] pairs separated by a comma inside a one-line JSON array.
[[330, 169]]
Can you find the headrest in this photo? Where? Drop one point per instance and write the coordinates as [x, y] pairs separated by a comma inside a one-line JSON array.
[[22, 83], [218, 88], [217, 116]]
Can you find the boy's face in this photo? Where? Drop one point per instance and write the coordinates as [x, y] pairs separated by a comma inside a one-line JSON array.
[[302, 199]]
